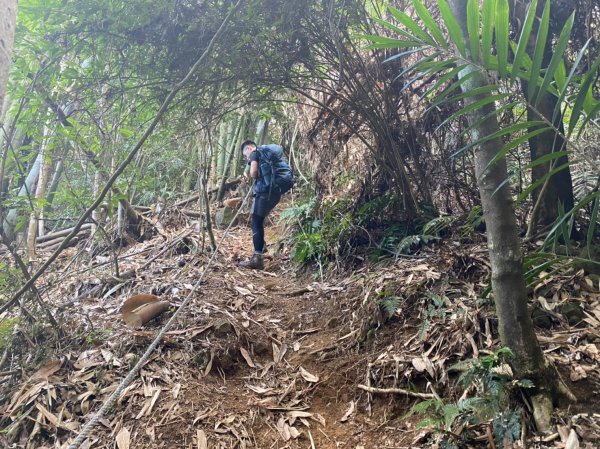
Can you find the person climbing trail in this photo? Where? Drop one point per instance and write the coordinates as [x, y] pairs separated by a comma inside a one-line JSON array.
[[272, 178]]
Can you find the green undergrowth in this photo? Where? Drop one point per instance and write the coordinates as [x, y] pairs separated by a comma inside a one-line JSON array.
[[334, 231], [487, 399]]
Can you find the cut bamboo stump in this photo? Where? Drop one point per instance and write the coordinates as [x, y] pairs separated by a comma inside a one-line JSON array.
[[139, 309]]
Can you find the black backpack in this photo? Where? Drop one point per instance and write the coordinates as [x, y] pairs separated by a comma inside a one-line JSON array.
[[275, 173]]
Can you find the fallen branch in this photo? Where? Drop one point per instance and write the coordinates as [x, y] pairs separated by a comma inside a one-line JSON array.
[[62, 233], [414, 394], [56, 241], [228, 185]]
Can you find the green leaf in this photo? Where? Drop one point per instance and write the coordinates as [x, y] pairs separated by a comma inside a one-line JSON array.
[[580, 205], [539, 161], [400, 31], [473, 28], [589, 116], [567, 82], [412, 81], [501, 132], [416, 65], [474, 106], [560, 76], [582, 93], [557, 56], [524, 39], [516, 142], [453, 27], [497, 112], [489, 8], [440, 82], [403, 54], [538, 54], [541, 181], [502, 36], [412, 26], [423, 406], [385, 42], [441, 98], [428, 21]]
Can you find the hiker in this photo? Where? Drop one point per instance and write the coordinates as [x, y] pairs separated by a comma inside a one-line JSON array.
[[272, 178]]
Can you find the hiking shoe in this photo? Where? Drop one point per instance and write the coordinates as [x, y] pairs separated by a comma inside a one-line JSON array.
[[255, 263]]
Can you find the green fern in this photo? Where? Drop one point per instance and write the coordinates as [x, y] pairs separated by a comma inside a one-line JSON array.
[[439, 224], [473, 221], [298, 212], [413, 242], [389, 305]]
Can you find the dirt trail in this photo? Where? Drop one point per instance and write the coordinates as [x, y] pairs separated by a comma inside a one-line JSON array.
[[265, 359], [255, 361]]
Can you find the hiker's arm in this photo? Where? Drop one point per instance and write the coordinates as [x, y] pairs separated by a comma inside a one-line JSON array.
[[254, 169]]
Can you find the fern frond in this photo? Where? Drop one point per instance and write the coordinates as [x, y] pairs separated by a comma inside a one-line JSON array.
[[437, 225]]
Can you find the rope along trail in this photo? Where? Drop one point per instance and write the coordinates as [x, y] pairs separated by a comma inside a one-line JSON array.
[[134, 371]]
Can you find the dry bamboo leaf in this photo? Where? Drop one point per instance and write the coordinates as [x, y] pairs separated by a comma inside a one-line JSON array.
[[260, 390], [349, 412], [38, 426], [154, 399], [23, 398], [563, 432], [176, 390], [123, 439], [419, 364], [49, 368], [572, 441], [308, 376], [210, 363], [301, 414], [284, 430], [247, 358], [201, 416], [243, 291], [295, 433], [578, 373], [151, 432], [47, 414], [143, 410], [202, 441], [317, 417]]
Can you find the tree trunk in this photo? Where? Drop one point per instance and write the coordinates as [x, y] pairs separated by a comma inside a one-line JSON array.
[[510, 295], [8, 20], [559, 187]]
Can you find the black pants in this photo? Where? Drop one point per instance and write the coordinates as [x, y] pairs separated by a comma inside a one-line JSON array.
[[262, 205]]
